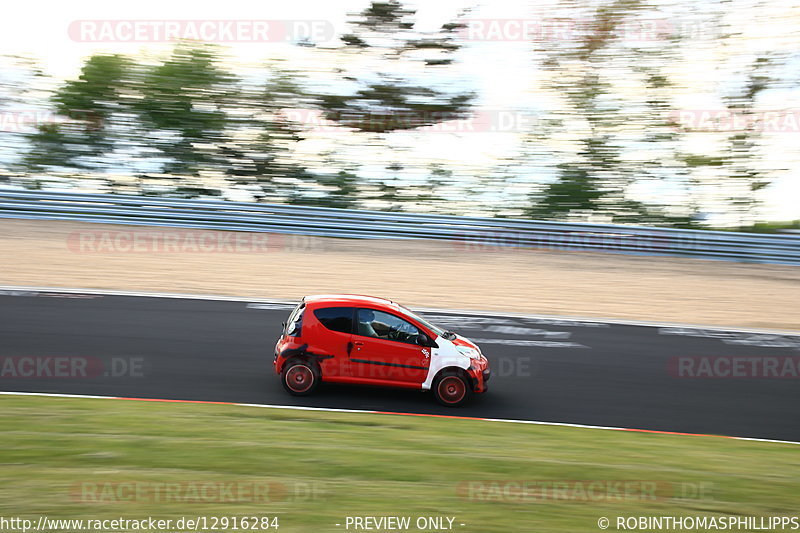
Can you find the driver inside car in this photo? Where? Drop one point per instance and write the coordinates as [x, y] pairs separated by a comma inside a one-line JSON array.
[[365, 318]]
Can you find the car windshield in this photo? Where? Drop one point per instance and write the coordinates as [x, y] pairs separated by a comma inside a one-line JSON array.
[[433, 327]]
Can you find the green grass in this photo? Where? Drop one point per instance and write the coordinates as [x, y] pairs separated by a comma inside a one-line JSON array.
[[362, 464]]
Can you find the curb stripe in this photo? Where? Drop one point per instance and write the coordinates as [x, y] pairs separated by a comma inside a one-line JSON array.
[[370, 411]]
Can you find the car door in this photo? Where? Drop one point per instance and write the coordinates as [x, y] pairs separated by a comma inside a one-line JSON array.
[[334, 340], [385, 348]]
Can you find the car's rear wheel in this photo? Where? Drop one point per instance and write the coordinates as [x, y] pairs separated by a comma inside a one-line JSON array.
[[452, 389], [299, 378]]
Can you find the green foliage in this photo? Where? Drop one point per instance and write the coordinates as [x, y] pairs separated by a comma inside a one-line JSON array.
[[743, 146], [183, 108], [385, 30], [49, 149], [339, 190], [98, 91], [90, 104], [771, 227], [187, 112], [594, 179], [385, 16], [574, 191]]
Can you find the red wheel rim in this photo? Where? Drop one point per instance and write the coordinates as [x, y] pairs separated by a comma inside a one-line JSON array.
[[452, 389], [299, 378]]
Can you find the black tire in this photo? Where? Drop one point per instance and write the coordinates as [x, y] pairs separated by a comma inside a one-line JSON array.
[[300, 378], [452, 388]]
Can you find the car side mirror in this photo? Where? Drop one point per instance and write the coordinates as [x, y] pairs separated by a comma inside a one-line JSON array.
[[424, 340]]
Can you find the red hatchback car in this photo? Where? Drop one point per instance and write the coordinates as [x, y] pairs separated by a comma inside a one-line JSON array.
[[373, 341]]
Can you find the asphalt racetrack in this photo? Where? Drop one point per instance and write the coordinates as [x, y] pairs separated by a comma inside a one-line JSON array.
[[645, 377]]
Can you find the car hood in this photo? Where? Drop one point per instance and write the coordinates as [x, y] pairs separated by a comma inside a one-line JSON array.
[[451, 346], [463, 341]]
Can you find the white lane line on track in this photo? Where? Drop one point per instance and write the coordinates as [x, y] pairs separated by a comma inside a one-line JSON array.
[[366, 411], [761, 340], [533, 332], [577, 321], [526, 342], [271, 306]]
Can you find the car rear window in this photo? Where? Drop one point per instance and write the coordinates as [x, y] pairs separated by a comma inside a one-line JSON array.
[[294, 324], [336, 318]]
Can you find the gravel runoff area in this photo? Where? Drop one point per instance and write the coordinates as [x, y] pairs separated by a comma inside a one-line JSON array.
[[414, 272]]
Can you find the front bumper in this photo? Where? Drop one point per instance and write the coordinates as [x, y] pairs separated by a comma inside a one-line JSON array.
[[480, 373]]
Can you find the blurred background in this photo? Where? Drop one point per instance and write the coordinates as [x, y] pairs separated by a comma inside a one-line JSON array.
[[652, 112]]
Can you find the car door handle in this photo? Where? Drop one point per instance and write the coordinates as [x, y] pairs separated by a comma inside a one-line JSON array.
[[351, 344], [357, 344]]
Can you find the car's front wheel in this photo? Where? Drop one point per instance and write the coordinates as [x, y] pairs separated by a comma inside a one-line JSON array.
[[452, 389], [299, 378]]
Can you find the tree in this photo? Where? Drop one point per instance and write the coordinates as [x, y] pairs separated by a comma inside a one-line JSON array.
[[93, 105], [182, 115], [384, 33], [743, 149], [740, 172], [258, 148], [182, 108], [21, 84], [609, 136], [369, 100], [589, 180]]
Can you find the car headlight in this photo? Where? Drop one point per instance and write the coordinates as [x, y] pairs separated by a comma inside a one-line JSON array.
[[472, 353]]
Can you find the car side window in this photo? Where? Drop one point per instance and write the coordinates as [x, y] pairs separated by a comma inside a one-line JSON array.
[[386, 326], [336, 318]]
